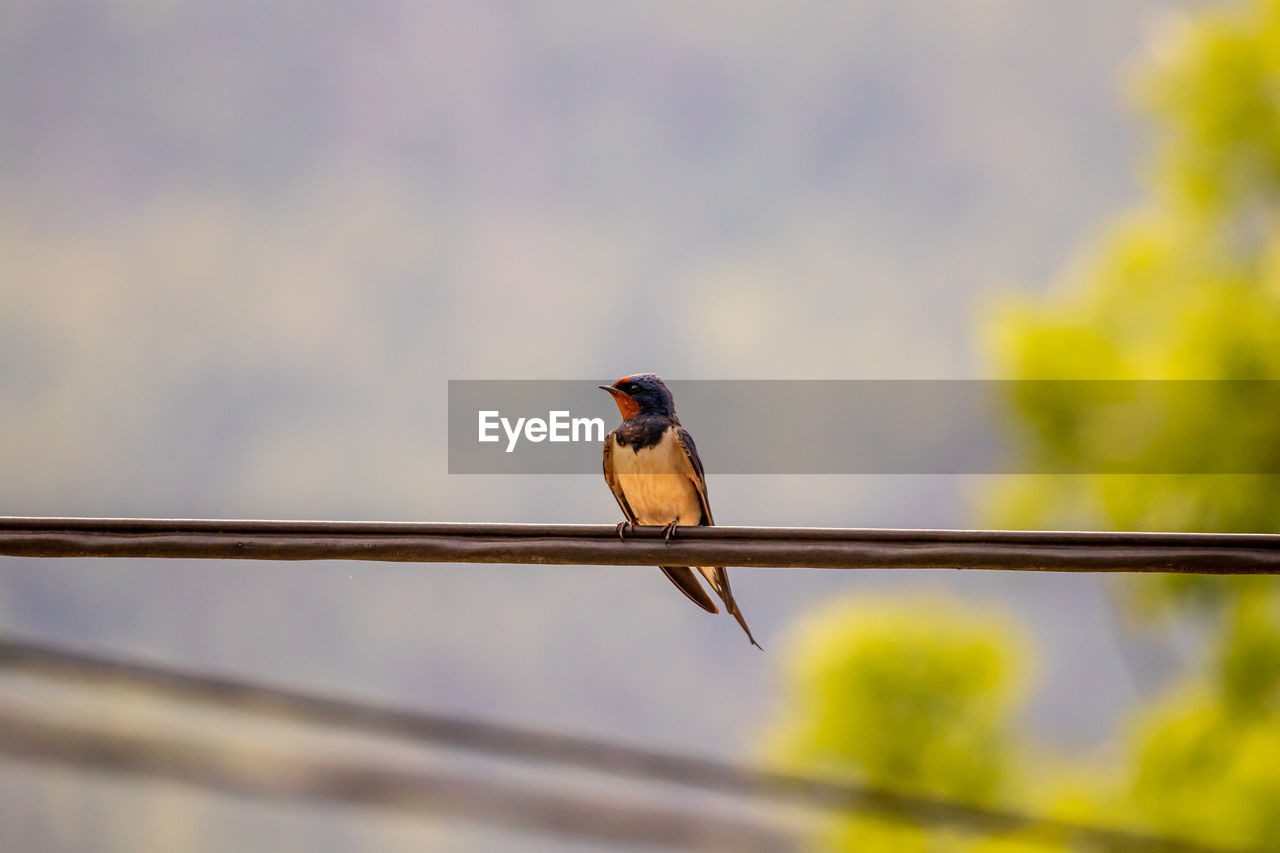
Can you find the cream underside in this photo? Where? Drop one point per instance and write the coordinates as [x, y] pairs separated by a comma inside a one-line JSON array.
[[655, 494]]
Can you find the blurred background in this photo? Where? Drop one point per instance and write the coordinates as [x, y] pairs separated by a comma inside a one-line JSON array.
[[245, 246]]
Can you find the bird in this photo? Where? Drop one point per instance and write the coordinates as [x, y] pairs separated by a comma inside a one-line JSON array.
[[653, 469]]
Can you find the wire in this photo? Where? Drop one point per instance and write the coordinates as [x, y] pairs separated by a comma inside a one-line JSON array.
[[296, 775], [514, 743], [785, 547]]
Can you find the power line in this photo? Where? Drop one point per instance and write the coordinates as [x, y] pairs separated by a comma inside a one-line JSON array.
[[297, 775], [783, 547], [522, 744]]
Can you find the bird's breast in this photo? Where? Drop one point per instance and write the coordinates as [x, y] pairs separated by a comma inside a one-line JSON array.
[[655, 481]]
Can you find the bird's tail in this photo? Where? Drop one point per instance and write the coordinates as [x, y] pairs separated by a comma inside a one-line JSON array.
[[687, 582], [719, 580]]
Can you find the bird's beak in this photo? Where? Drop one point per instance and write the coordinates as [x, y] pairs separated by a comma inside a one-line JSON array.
[[627, 406]]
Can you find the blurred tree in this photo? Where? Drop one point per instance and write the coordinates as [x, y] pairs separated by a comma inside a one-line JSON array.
[[1188, 287], [911, 695]]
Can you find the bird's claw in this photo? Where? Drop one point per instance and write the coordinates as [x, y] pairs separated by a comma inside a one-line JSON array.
[[623, 526], [669, 531]]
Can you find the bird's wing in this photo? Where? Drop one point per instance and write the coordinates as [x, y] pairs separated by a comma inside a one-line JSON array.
[[716, 575], [612, 479], [695, 472], [682, 576]]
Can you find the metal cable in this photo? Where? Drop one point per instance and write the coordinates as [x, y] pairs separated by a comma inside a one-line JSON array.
[[522, 744], [784, 547]]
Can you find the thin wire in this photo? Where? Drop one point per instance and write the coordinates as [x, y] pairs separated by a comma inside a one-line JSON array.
[[783, 547], [299, 775], [524, 744]]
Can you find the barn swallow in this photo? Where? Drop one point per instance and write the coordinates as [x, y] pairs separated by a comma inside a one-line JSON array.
[[652, 467]]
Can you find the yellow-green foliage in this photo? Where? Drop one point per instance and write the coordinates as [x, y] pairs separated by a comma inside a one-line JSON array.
[[912, 694], [921, 695], [1186, 288], [1213, 86]]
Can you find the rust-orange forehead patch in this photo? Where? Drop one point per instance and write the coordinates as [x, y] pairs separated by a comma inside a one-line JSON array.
[[622, 381]]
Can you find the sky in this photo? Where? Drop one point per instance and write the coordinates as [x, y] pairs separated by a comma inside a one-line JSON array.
[[246, 246]]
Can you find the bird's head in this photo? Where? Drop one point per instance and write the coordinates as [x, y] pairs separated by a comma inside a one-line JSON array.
[[641, 393]]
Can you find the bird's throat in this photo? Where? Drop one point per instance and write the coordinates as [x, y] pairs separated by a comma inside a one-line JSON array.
[[628, 407]]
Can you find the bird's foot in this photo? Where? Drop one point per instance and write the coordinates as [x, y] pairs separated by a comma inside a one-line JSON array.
[[624, 526], [669, 531]]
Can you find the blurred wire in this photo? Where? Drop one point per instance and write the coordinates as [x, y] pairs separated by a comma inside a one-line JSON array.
[[296, 775], [793, 547], [502, 741]]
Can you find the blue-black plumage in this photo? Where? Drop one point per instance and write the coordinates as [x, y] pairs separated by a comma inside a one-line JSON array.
[[653, 469]]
